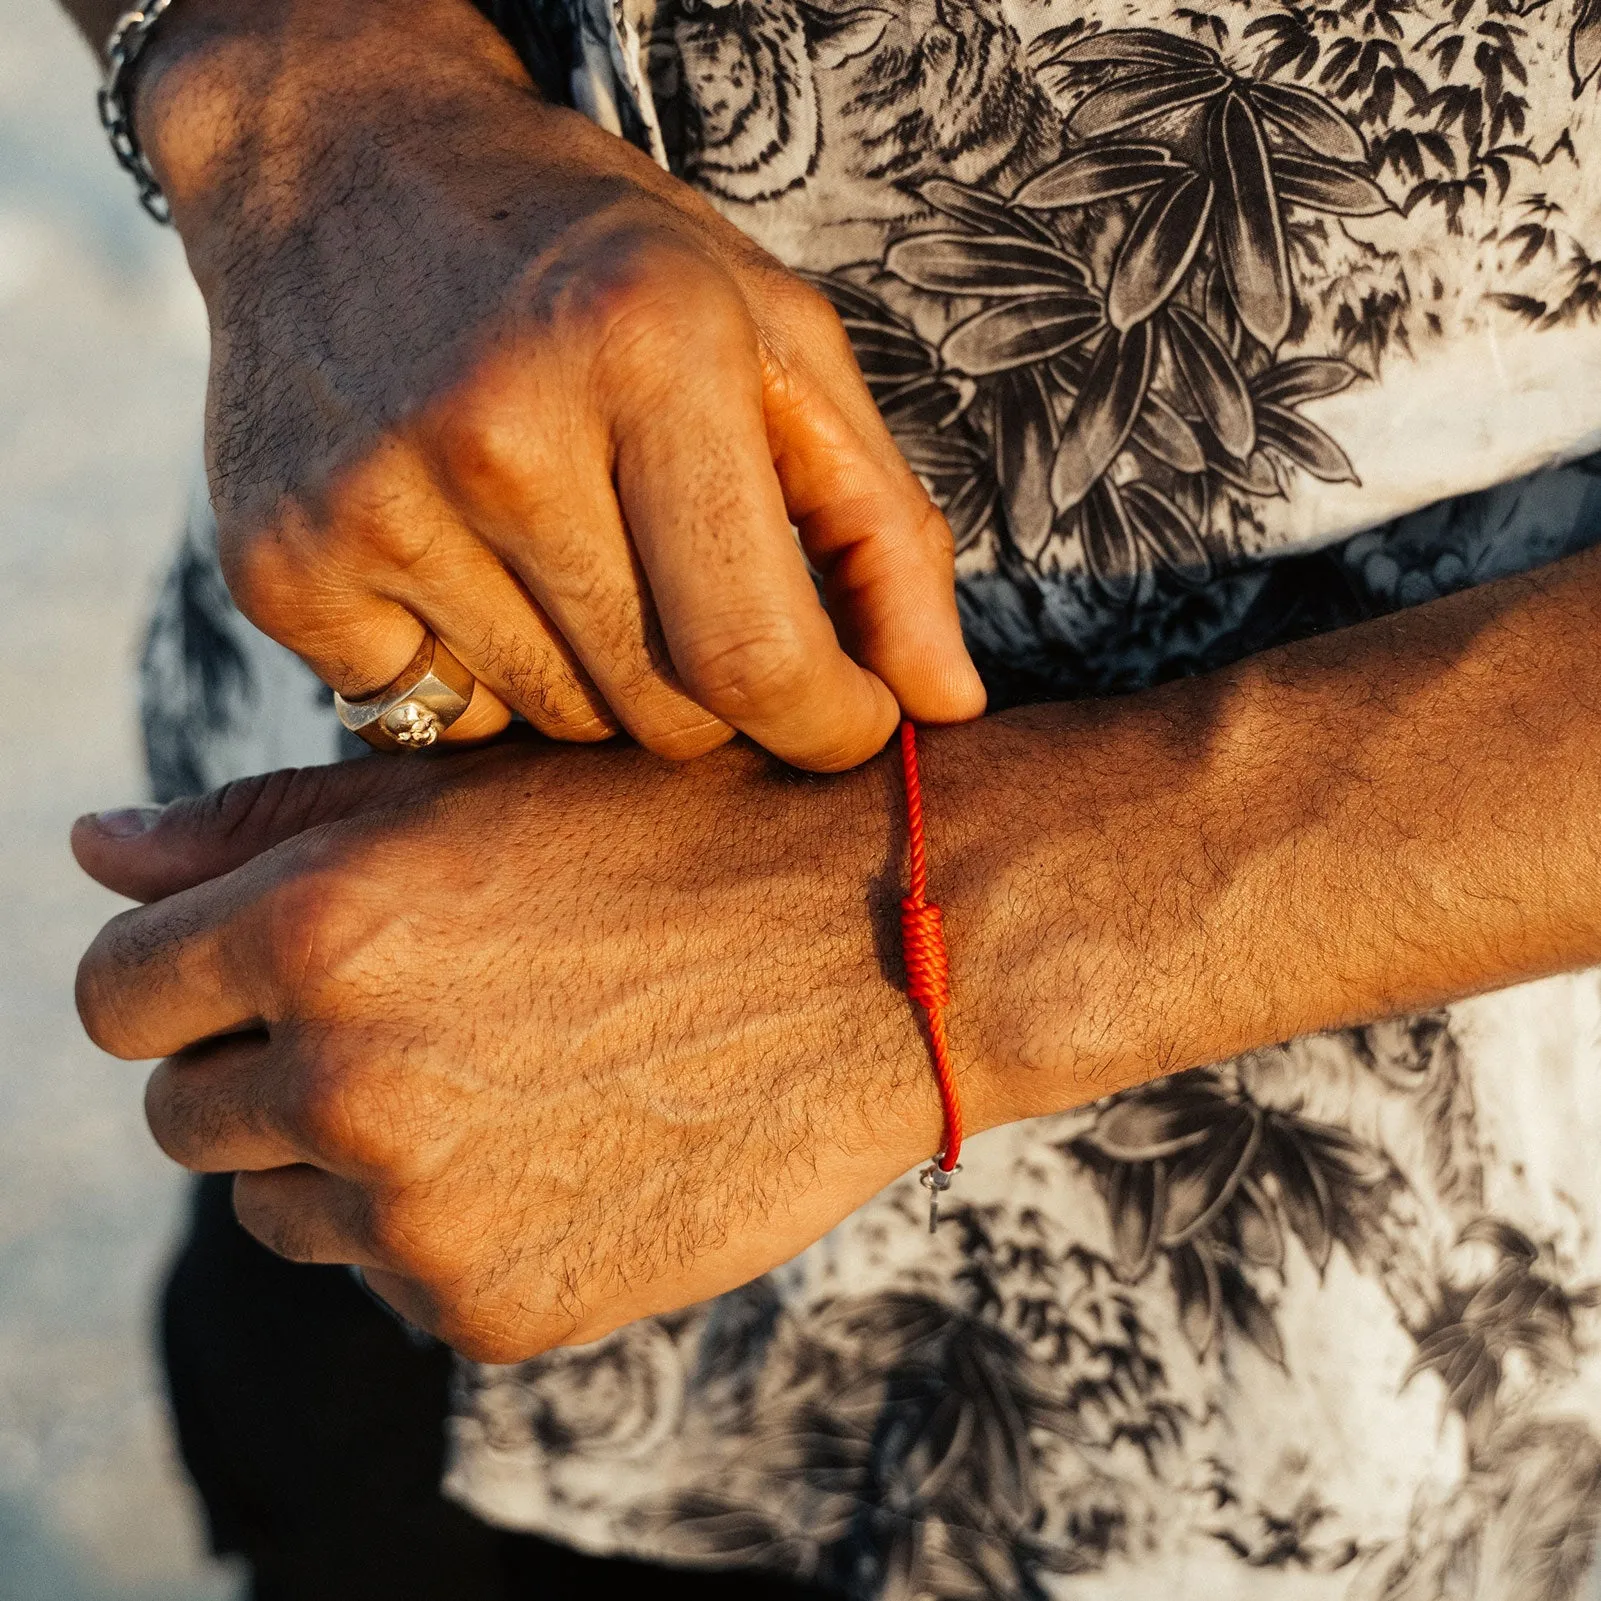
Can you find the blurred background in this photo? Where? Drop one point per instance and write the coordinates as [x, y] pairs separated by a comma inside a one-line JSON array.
[[102, 372]]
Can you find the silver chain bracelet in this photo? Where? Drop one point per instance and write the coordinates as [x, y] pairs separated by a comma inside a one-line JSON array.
[[123, 50]]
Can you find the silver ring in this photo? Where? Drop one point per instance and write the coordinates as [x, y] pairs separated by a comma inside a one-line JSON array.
[[417, 707]]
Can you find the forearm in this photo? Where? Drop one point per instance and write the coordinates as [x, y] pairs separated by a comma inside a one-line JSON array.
[[210, 64], [1366, 823]]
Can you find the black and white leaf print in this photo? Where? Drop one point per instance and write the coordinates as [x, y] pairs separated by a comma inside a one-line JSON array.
[[1096, 173], [973, 264], [1020, 332], [1304, 1190], [1198, 1290], [1131, 102], [1309, 118], [1111, 549], [1202, 1174], [1144, 1128], [1253, 250], [1203, 1180], [1256, 476], [1041, 1393], [1304, 444], [1103, 414], [897, 1455], [1163, 433], [1023, 426], [1142, 281], [1327, 187], [1168, 533], [1136, 47], [1215, 384], [1137, 1200], [1306, 378], [980, 210], [1158, 249], [1584, 45], [1257, 1227]]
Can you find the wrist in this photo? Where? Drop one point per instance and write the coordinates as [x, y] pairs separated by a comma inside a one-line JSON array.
[[188, 100], [1000, 833], [229, 92], [1083, 858]]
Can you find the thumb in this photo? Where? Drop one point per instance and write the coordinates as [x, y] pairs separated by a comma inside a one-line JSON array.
[[882, 546], [150, 852]]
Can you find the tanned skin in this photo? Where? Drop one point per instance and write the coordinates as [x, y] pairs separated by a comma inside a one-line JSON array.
[[480, 365], [548, 1039], [551, 1039]]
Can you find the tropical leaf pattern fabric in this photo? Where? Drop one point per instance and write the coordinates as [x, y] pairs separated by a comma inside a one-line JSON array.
[[1209, 329], [1127, 278]]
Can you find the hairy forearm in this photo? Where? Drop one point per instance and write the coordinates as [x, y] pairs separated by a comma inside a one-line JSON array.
[[1361, 824], [681, 1063]]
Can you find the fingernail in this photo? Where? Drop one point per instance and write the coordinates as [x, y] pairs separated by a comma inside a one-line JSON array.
[[126, 821]]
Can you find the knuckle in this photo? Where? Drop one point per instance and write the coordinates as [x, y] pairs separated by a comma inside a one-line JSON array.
[[100, 988], [317, 926], [658, 303], [254, 567], [486, 439], [378, 513], [263, 804], [396, 1239], [679, 737], [183, 1121], [754, 666], [800, 322], [352, 1113], [297, 912], [284, 1233], [577, 724], [808, 309]]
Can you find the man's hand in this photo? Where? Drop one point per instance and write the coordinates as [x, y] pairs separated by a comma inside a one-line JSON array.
[[547, 1041], [481, 366]]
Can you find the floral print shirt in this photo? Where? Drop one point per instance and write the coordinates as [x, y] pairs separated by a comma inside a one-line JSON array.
[[1209, 328]]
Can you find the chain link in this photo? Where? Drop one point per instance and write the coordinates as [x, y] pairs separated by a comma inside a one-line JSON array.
[[123, 50]]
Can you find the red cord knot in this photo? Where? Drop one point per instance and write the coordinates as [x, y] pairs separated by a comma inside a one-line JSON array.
[[928, 977], [928, 970]]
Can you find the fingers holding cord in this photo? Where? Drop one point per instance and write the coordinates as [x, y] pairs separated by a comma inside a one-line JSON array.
[[884, 549], [636, 565], [555, 523], [696, 483]]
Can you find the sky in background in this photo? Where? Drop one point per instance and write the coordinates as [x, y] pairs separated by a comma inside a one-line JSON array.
[[102, 369]]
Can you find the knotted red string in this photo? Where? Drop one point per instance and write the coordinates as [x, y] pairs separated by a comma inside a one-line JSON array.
[[928, 974]]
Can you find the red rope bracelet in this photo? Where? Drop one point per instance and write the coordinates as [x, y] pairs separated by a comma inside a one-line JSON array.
[[928, 976]]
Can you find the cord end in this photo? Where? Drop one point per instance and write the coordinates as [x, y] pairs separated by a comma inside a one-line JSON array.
[[936, 1180]]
